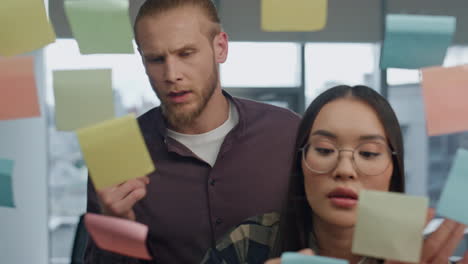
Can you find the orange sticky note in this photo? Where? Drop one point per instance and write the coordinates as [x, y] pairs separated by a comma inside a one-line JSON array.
[[18, 93], [445, 94], [118, 235]]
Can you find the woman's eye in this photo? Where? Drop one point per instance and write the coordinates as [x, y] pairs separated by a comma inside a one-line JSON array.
[[369, 155], [324, 151]]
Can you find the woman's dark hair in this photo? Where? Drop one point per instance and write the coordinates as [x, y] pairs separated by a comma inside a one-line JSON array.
[[296, 218]]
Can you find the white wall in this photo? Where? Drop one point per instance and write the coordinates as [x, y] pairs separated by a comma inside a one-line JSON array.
[[23, 231]]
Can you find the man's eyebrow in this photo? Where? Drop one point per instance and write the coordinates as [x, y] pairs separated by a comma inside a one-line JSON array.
[[184, 47], [324, 133]]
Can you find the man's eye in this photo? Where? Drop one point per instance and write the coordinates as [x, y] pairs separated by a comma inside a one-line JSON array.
[[185, 54], [156, 60]]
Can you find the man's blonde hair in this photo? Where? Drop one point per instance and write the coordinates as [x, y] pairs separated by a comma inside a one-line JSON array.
[[155, 7]]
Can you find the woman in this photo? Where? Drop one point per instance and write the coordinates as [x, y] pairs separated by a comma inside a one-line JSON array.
[[349, 139]]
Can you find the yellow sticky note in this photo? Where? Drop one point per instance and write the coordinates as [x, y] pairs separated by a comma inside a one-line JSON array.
[[294, 15], [24, 27], [115, 151], [82, 98], [390, 226]]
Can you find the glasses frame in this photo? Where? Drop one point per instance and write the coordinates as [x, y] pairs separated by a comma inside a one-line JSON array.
[[304, 150]]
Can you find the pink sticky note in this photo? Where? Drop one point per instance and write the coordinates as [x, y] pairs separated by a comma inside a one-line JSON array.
[[18, 93], [118, 235], [445, 93]]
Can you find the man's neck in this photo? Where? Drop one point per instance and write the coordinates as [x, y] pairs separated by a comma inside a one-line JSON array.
[[216, 112], [335, 241]]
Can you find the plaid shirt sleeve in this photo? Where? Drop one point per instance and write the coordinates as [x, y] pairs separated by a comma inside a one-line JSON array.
[[249, 242]]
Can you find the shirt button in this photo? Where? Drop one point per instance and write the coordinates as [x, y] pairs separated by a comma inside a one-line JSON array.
[[212, 182], [219, 221]]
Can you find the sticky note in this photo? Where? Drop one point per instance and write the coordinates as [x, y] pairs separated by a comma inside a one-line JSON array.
[[296, 258], [293, 15], [18, 92], [118, 235], [416, 41], [390, 226], [115, 151], [6, 183], [25, 27], [445, 93], [100, 26], [453, 202], [82, 98]]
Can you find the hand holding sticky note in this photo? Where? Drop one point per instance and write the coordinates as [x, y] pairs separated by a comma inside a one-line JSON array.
[[416, 41], [453, 201], [6, 183], [118, 235], [293, 15], [296, 258], [115, 151], [390, 226]]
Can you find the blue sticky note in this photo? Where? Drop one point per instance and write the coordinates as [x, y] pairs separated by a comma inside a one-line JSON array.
[[296, 258], [416, 41], [453, 202], [6, 186]]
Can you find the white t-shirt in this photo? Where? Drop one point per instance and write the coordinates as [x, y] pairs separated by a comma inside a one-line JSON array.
[[206, 146]]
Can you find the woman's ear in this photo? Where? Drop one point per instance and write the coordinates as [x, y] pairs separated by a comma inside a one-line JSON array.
[[221, 46]]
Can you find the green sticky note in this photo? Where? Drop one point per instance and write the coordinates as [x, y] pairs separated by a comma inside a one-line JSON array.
[[296, 258], [100, 26], [115, 151], [416, 41], [453, 201], [24, 27], [6, 183], [390, 226], [82, 98]]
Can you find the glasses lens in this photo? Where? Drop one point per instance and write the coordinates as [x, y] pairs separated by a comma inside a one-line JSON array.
[[321, 156], [372, 158]]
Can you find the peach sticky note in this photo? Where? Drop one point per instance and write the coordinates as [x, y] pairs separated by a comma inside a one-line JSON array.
[[18, 93], [293, 15], [118, 235], [82, 98], [390, 226], [24, 27], [115, 151], [445, 93]]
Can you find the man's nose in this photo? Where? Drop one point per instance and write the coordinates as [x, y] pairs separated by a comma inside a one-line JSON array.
[[172, 72]]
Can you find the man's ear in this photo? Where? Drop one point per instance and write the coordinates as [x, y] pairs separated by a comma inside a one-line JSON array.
[[221, 47]]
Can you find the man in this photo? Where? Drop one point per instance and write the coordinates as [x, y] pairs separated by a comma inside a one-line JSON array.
[[219, 159]]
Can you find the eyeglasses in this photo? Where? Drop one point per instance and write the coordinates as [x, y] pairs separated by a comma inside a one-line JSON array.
[[369, 158]]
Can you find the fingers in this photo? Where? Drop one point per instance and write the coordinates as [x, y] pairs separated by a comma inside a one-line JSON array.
[[119, 200], [451, 244], [441, 243], [307, 251], [273, 261], [464, 260]]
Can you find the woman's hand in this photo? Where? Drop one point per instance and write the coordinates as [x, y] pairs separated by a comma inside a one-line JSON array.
[[306, 251], [440, 245]]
